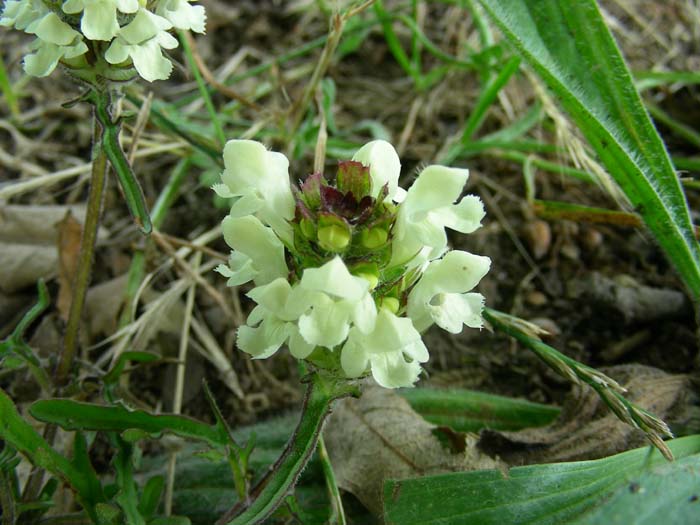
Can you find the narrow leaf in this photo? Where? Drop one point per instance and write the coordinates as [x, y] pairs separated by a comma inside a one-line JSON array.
[[73, 415], [544, 494], [470, 411], [569, 46]]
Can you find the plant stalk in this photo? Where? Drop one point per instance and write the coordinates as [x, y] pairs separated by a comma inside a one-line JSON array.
[[87, 252], [272, 489]]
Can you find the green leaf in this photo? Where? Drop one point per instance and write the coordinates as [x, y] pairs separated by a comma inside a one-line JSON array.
[[666, 494], [470, 411], [150, 496], [543, 494], [22, 436], [73, 415], [140, 357], [569, 46]]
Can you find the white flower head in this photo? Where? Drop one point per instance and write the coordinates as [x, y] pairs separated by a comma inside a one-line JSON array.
[[99, 20], [182, 15], [440, 294], [429, 208], [260, 178], [393, 350], [55, 40], [363, 276], [141, 41]]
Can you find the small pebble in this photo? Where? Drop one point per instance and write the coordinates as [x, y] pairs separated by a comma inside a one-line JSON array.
[[536, 298]]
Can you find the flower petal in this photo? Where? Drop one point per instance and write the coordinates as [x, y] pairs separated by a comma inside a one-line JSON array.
[[384, 166], [250, 237], [273, 296], [391, 370], [435, 187], [327, 324], [335, 279], [354, 358], [298, 346], [263, 341], [464, 217], [99, 20]]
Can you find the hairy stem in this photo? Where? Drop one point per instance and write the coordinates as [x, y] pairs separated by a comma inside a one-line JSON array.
[[87, 251], [271, 490]]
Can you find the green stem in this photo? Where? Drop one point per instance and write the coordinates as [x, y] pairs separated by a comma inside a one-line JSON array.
[[133, 193], [333, 492], [87, 251], [271, 490]]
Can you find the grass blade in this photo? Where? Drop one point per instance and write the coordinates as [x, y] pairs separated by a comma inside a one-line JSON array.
[[571, 49]]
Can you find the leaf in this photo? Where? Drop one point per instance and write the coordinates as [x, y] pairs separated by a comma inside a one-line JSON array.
[[379, 436], [470, 411], [22, 436], [150, 496], [669, 493], [586, 428], [74, 415], [569, 46], [28, 242], [69, 234], [204, 487], [543, 494]]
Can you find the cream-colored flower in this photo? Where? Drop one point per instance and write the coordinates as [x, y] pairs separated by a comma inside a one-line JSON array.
[[21, 13], [257, 255], [260, 180], [384, 168], [141, 41], [182, 15], [393, 351], [336, 300], [99, 20], [440, 296], [273, 321], [429, 208], [55, 40]]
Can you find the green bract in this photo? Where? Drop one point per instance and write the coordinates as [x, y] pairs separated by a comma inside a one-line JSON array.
[[126, 35], [349, 269]]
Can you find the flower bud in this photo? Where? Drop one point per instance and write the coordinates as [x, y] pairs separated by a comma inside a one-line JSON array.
[[354, 178], [334, 233], [372, 238], [390, 303]]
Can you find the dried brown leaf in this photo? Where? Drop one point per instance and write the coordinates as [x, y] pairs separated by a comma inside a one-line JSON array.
[[69, 234], [28, 240], [379, 437], [586, 429]]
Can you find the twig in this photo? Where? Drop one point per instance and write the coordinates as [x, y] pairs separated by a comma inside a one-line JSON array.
[[180, 384], [180, 263]]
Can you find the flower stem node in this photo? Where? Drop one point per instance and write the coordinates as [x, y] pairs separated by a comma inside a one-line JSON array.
[[349, 270]]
